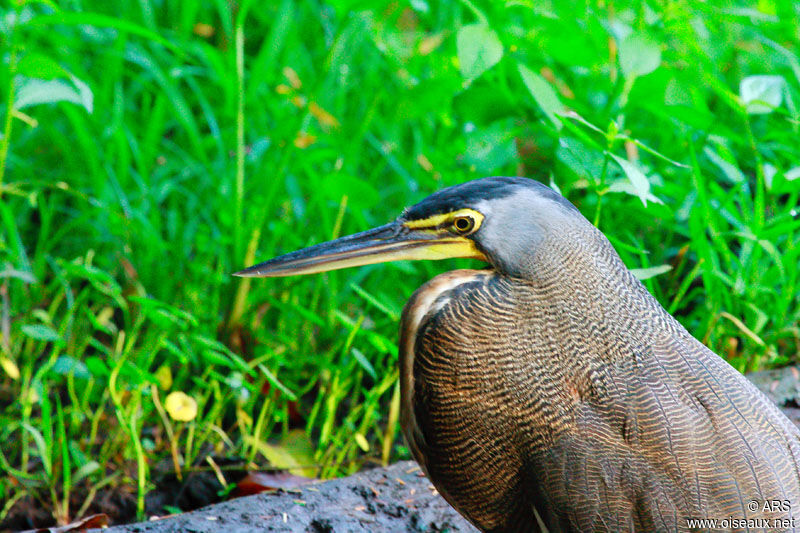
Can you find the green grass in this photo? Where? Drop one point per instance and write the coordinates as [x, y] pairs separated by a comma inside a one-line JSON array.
[[219, 138]]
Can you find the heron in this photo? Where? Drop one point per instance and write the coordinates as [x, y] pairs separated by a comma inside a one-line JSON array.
[[551, 391]]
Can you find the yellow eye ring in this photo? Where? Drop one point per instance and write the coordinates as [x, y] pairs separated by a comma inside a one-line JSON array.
[[463, 224]]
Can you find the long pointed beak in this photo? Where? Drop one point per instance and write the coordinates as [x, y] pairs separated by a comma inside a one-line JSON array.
[[392, 242]]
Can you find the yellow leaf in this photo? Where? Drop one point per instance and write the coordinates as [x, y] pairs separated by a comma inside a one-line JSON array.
[[164, 377], [304, 140], [181, 406], [324, 118], [362, 442], [105, 315], [10, 367], [203, 30], [429, 44], [245, 420], [424, 162], [292, 77]]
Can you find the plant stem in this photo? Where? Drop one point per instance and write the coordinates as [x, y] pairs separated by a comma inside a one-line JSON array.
[[10, 94], [238, 228]]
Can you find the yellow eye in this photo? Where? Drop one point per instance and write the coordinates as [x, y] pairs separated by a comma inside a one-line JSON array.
[[463, 224]]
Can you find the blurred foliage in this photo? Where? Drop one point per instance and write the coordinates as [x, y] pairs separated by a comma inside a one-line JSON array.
[[150, 149]]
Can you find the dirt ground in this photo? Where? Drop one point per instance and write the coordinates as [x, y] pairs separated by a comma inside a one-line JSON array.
[[397, 498]]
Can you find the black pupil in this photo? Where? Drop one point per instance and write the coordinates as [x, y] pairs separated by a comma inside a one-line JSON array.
[[463, 224]]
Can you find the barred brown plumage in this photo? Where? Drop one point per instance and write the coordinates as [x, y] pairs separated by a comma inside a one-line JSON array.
[[552, 391]]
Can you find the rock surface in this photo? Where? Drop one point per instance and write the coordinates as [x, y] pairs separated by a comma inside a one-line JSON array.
[[397, 498]]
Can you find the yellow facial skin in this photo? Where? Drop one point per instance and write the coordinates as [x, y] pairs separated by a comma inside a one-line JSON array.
[[441, 236], [446, 220], [453, 242]]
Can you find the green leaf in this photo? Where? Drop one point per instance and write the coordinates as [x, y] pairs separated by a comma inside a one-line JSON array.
[[40, 332], [66, 365], [85, 471], [22, 275], [34, 91], [96, 366], [359, 192], [379, 303], [792, 174], [638, 55], [490, 148], [637, 178], [273, 379], [41, 446], [543, 93], [364, 362], [677, 94], [761, 94], [40, 66], [730, 170], [87, 18], [626, 187], [584, 161], [479, 49], [647, 273], [294, 452]]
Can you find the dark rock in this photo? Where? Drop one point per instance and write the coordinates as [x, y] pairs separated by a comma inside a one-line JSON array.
[[397, 498]]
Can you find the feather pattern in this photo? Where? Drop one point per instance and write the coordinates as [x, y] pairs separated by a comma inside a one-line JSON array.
[[572, 394]]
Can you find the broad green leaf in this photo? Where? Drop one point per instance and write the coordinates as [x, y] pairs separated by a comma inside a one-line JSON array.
[[637, 178], [85, 471], [626, 187], [479, 49], [584, 161], [638, 55], [96, 366], [651, 272], [40, 66], [792, 174], [543, 93], [40, 332], [761, 94], [34, 91], [66, 365], [359, 192], [421, 6], [676, 94], [490, 148]]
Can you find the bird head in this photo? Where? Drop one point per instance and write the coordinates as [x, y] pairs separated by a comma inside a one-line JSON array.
[[498, 220]]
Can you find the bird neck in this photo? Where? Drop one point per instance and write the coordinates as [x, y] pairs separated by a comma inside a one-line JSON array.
[[587, 286]]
